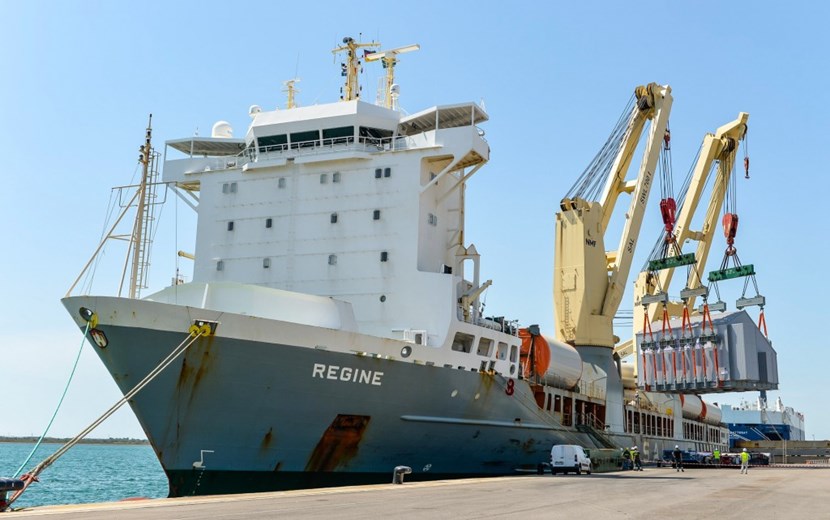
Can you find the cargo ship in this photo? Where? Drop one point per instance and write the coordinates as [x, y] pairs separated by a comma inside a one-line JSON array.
[[333, 327], [757, 421]]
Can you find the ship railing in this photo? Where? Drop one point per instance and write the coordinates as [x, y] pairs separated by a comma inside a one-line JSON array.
[[291, 150], [591, 389], [330, 145], [590, 420], [488, 323]]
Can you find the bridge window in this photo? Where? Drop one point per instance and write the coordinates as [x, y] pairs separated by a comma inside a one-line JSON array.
[[272, 142], [339, 135], [305, 139], [374, 133]]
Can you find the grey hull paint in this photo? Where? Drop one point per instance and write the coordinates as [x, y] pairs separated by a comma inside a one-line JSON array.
[[246, 408]]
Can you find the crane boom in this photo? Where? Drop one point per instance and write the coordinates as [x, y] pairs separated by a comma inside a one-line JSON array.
[[588, 281], [721, 147]]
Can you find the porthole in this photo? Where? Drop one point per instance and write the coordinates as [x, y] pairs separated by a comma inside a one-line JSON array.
[[406, 351]]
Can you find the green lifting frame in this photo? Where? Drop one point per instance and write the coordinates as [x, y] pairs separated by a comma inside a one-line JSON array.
[[732, 272], [671, 261]]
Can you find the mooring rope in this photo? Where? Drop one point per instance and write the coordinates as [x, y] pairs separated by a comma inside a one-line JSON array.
[[31, 476], [60, 402]]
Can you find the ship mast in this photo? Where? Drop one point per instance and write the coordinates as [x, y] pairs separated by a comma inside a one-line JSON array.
[[351, 90], [139, 242], [140, 239], [390, 59], [290, 90]]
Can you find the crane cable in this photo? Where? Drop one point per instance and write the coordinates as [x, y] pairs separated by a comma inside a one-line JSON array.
[[589, 185], [32, 475]]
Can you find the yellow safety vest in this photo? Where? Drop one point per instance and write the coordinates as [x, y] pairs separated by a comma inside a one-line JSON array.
[[745, 456]]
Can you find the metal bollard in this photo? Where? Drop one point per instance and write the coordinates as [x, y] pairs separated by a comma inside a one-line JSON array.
[[400, 471]]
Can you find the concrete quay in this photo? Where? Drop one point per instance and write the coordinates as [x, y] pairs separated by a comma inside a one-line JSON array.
[[765, 493]]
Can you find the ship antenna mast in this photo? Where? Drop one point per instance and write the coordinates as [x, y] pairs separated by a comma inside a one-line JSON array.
[[290, 90], [390, 59], [140, 239], [349, 69]]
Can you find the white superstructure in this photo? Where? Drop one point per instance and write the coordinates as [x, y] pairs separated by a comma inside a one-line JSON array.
[[318, 200]]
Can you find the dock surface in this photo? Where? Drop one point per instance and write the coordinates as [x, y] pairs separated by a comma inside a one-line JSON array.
[[765, 493]]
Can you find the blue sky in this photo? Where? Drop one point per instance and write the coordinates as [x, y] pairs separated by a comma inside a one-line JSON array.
[[81, 77]]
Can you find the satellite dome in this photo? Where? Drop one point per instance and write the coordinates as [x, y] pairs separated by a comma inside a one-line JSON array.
[[254, 110], [222, 129]]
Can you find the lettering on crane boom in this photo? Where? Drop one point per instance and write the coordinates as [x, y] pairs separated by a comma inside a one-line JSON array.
[[732, 272], [646, 185]]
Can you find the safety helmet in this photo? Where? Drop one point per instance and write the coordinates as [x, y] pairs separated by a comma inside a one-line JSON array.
[[676, 447], [744, 449], [634, 448]]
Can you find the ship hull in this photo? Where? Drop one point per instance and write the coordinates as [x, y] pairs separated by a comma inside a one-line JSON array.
[[251, 408]]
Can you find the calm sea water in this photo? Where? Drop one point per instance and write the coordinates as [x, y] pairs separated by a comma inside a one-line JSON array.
[[87, 473]]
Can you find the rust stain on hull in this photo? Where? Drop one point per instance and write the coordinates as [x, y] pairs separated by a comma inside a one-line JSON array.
[[195, 365], [266, 440], [339, 443]]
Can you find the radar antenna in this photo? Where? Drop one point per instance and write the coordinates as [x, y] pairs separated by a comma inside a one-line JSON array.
[[390, 59], [349, 69]]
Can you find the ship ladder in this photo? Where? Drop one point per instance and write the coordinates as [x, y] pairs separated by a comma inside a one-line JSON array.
[[32, 476]]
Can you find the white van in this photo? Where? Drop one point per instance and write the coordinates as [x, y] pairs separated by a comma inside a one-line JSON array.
[[569, 457]]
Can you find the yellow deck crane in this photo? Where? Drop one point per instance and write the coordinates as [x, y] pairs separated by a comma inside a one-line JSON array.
[[652, 285], [589, 281], [727, 354]]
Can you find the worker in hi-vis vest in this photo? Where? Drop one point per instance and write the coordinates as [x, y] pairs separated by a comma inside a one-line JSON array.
[[745, 462], [635, 455], [716, 456]]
